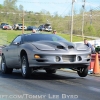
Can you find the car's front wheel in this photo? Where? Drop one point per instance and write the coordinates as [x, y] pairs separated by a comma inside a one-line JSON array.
[[4, 67], [26, 70], [83, 72], [50, 71]]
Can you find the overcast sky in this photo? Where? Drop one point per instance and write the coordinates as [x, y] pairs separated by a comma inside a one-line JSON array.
[[62, 7]]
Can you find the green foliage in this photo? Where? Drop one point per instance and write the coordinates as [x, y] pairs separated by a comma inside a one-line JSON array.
[[59, 23], [10, 4], [67, 37], [21, 8], [97, 49], [90, 30], [1, 6], [11, 34]]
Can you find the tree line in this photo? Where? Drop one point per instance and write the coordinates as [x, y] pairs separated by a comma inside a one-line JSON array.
[[12, 14]]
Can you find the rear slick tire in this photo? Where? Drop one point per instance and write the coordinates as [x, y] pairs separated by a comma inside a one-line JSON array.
[[4, 68]]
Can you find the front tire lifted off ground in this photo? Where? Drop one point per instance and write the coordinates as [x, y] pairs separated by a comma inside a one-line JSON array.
[[82, 72]]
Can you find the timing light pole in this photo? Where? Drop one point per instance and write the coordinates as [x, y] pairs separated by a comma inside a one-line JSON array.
[[23, 22], [83, 19], [72, 20], [91, 17]]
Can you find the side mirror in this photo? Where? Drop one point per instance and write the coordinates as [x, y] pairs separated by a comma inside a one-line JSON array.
[[16, 43]]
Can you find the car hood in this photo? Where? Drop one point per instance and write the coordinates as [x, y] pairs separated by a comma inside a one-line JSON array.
[[53, 45]]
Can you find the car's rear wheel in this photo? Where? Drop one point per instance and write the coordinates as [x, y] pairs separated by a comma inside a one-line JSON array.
[[83, 72], [50, 71], [4, 67], [26, 70]]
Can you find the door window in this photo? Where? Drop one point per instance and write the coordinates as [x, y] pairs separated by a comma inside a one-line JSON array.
[[17, 40]]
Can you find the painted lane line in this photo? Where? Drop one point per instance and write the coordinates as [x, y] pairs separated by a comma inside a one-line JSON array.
[[94, 89]]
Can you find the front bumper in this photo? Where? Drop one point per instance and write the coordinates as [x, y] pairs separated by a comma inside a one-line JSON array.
[[66, 61]]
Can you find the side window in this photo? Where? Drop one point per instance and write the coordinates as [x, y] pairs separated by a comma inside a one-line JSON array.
[[17, 39]]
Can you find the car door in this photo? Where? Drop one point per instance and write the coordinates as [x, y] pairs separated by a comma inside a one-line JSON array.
[[13, 53]]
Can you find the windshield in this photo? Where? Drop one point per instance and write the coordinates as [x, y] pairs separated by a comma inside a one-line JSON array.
[[42, 37]]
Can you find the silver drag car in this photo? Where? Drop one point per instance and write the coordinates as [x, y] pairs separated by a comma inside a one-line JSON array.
[[50, 52]]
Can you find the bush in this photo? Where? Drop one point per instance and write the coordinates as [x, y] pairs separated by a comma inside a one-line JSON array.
[[97, 49]]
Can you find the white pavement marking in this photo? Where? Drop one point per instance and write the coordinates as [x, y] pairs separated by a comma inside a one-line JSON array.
[[94, 89]]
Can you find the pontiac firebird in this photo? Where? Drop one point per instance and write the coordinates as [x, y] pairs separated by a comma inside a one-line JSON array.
[[50, 52]]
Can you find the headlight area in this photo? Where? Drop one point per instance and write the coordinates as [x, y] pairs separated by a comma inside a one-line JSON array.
[[89, 57], [62, 58], [46, 58], [86, 57], [57, 58], [36, 56], [39, 58]]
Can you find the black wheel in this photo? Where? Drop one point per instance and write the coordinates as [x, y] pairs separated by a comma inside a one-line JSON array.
[[50, 71], [4, 67], [83, 72], [26, 70]]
